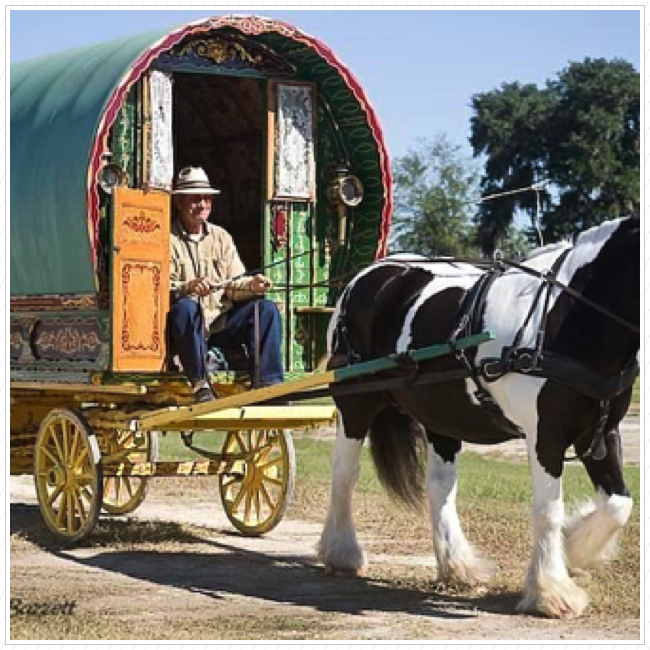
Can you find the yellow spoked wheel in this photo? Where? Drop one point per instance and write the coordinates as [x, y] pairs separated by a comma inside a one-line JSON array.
[[257, 488], [123, 494], [68, 475]]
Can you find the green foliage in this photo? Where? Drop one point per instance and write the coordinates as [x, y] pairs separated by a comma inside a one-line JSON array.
[[580, 135], [435, 187]]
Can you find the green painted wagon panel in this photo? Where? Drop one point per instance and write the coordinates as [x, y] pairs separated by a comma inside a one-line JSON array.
[[55, 105]]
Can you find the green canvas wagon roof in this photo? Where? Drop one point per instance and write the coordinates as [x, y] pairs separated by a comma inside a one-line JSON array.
[[61, 111]]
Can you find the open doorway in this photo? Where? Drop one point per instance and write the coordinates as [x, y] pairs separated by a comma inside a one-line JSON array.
[[220, 125]]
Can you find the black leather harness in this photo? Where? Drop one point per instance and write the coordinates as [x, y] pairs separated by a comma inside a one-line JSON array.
[[535, 361]]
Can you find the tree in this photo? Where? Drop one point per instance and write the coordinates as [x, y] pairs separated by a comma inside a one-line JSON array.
[[435, 190], [580, 135]]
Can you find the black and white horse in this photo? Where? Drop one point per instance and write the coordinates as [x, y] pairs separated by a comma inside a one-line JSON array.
[[397, 305]]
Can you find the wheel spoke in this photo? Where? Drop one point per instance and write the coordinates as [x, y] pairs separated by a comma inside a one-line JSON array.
[[76, 463], [107, 486], [50, 455], [247, 505], [85, 479], [258, 505], [242, 444], [238, 499], [87, 493], [56, 444], [273, 481], [258, 436], [52, 498], [79, 507], [75, 441], [272, 463], [267, 497], [62, 510], [65, 434], [70, 511], [128, 486], [231, 480]]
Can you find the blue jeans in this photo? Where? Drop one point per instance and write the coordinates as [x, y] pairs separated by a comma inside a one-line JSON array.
[[186, 337]]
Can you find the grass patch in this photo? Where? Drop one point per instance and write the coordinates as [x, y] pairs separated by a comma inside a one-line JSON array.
[[480, 477]]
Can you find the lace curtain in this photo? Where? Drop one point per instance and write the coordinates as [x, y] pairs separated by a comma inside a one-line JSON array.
[[294, 157], [162, 152]]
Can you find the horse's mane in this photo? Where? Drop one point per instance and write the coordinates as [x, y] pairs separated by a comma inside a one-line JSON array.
[[549, 248], [591, 236], [596, 233]]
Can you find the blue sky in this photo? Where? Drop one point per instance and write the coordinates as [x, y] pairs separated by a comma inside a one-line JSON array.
[[419, 68]]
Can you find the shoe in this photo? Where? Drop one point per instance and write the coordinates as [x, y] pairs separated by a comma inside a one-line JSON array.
[[204, 394]]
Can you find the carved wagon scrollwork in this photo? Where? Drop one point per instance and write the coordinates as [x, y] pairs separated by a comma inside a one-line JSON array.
[[230, 52], [141, 328], [141, 222], [76, 340]]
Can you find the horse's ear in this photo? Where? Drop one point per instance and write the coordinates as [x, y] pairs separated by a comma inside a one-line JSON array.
[[629, 224]]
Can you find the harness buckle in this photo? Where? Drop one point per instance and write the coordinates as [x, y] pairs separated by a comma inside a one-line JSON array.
[[525, 363], [492, 369]]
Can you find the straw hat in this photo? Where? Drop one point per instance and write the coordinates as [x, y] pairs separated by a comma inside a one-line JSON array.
[[193, 180]]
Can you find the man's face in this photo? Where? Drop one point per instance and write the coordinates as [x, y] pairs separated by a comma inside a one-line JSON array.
[[194, 210]]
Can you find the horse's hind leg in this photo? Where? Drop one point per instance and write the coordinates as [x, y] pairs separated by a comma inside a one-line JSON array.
[[457, 560], [592, 532], [338, 548]]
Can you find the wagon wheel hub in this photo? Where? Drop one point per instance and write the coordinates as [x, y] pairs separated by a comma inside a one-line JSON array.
[[57, 476]]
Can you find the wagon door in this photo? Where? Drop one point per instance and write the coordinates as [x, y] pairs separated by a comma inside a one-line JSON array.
[[140, 279]]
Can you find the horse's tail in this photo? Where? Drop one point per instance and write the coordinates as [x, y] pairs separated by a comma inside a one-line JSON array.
[[397, 443]]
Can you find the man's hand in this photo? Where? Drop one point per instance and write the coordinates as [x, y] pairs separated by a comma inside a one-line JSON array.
[[200, 287], [260, 284]]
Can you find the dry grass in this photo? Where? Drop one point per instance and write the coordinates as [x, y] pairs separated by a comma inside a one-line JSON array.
[[493, 506]]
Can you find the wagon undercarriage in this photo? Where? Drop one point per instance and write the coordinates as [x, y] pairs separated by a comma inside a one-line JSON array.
[[94, 448]]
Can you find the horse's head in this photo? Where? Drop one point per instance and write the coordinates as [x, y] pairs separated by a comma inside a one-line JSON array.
[[604, 267], [616, 271]]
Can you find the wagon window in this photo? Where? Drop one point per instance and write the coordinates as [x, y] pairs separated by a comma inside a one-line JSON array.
[[161, 153], [291, 149]]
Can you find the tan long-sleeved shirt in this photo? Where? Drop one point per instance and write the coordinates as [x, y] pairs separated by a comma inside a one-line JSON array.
[[215, 256]]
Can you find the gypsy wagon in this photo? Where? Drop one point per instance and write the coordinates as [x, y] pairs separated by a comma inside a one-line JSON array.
[[286, 132]]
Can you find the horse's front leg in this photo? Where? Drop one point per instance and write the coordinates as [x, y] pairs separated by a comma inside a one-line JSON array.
[[549, 589], [592, 532], [457, 560], [338, 548]]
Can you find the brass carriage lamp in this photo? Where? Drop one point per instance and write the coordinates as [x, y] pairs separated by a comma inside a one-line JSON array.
[[344, 191], [110, 174]]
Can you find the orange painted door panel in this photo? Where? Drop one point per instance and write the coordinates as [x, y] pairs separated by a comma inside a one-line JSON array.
[[140, 279]]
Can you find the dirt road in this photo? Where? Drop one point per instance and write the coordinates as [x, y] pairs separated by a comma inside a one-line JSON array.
[[176, 571]]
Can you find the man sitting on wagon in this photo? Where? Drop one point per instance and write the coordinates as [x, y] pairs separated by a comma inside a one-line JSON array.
[[213, 301]]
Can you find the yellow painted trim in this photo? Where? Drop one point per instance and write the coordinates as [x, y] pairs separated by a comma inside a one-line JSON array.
[[66, 388], [168, 416], [258, 417]]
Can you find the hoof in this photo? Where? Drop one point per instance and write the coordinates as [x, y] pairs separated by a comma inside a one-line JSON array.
[[338, 572], [560, 600], [478, 572]]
